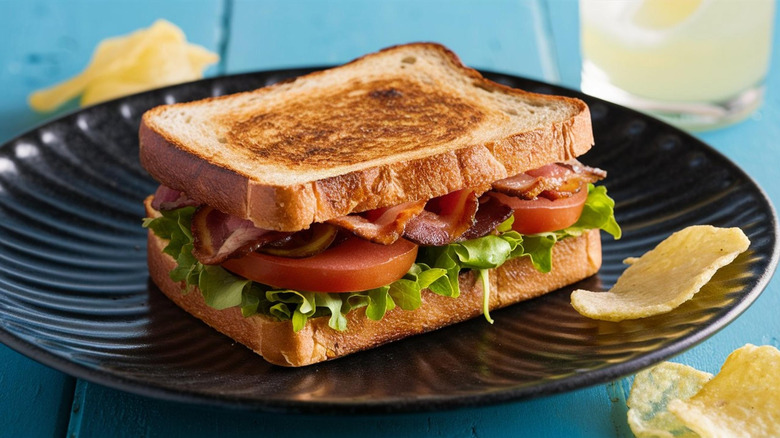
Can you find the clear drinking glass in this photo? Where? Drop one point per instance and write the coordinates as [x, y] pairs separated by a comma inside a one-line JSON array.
[[698, 64]]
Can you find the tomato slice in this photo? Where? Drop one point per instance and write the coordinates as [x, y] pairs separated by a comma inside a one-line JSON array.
[[350, 266], [541, 215]]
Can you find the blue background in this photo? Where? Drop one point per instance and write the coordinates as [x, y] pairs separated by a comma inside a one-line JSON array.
[[46, 41]]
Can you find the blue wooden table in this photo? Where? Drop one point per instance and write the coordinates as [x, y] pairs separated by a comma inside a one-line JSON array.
[[46, 41]]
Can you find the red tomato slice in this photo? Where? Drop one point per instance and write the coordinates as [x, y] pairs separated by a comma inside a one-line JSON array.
[[541, 215], [351, 266]]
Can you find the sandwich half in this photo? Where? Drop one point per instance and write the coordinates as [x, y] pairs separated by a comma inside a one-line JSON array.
[[393, 195]]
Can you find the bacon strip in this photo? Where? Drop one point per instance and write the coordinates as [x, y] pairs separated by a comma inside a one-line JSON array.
[[218, 236], [553, 181], [491, 213], [444, 220], [385, 225], [450, 218], [521, 185], [166, 198]]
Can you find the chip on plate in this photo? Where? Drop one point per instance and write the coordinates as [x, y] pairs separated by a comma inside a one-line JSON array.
[[666, 276], [145, 59], [653, 389], [742, 400]]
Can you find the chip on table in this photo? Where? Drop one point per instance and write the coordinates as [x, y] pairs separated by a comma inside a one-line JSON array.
[[145, 59], [652, 391], [742, 400]]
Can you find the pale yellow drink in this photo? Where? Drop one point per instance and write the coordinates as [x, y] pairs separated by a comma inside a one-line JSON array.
[[676, 51]]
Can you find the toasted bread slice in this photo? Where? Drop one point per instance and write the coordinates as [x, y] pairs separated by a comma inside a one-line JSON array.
[[517, 280], [406, 123]]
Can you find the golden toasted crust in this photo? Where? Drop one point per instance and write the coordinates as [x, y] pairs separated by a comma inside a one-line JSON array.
[[573, 258], [407, 123]]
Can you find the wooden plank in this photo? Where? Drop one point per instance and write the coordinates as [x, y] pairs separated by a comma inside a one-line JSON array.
[[35, 400], [498, 35], [564, 26], [107, 412]]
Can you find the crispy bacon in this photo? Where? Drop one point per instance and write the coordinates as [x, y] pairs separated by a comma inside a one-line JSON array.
[[166, 198], [457, 216], [442, 223], [522, 185], [444, 219], [384, 225], [553, 181], [218, 236], [491, 213]]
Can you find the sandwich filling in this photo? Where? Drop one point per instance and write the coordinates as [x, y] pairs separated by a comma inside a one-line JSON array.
[[381, 258]]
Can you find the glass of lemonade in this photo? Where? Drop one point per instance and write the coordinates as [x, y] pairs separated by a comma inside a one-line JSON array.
[[699, 64]]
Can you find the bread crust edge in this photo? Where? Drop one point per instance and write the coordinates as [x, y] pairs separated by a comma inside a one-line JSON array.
[[294, 207]]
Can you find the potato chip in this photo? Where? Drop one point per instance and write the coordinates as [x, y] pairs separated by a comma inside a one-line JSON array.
[[168, 63], [200, 58], [666, 276], [110, 88], [652, 391], [742, 400], [144, 59]]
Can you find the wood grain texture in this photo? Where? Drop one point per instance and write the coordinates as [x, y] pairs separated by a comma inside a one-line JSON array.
[[35, 400], [494, 34], [564, 26], [108, 412]]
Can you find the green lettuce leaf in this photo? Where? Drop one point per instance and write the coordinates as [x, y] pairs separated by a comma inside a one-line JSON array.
[[220, 288], [492, 251], [598, 212], [436, 269], [377, 305]]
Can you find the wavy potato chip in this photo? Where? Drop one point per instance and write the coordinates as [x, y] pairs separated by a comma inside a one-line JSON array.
[[742, 400], [142, 60], [167, 63], [110, 88], [653, 389], [666, 276]]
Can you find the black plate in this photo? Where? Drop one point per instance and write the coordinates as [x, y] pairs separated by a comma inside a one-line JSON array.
[[75, 294]]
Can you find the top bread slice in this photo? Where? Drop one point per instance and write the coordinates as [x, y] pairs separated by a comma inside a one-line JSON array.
[[407, 123]]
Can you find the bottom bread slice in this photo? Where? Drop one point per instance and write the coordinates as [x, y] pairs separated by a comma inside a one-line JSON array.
[[573, 259]]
